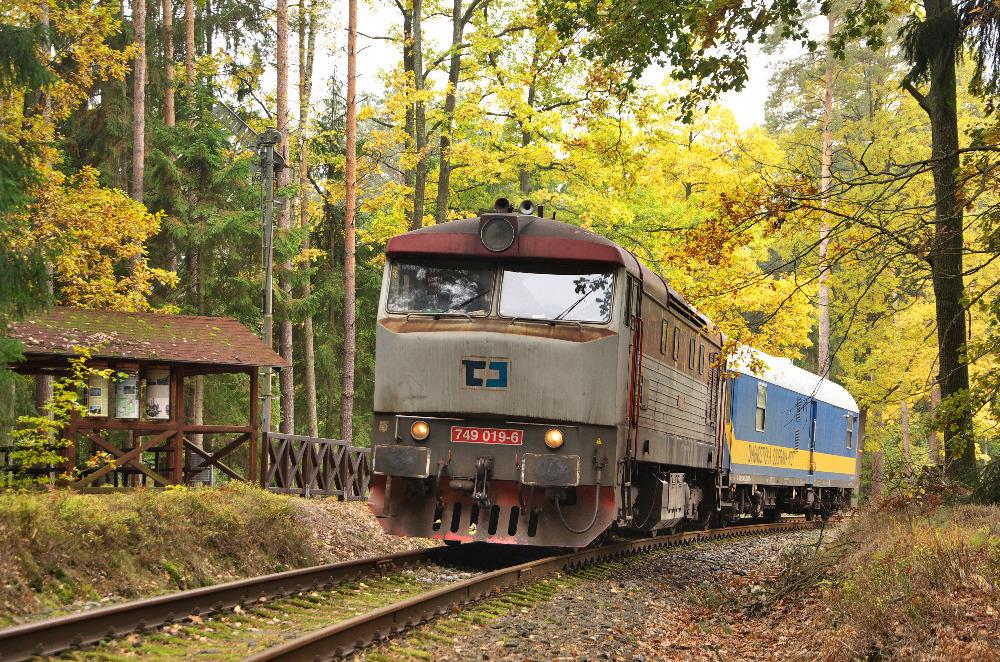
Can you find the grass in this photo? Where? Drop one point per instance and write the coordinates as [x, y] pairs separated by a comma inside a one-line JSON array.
[[61, 547], [909, 583]]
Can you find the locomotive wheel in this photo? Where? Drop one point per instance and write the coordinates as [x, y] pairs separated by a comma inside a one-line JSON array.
[[601, 539], [702, 524], [810, 515]]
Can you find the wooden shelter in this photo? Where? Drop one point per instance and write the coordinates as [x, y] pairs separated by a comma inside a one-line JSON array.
[[158, 352]]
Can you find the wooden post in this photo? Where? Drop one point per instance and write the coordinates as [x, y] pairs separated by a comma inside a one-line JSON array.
[[254, 431], [177, 416], [344, 471], [70, 436]]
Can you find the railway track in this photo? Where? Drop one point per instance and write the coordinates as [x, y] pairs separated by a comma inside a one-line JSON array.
[[345, 637], [80, 629]]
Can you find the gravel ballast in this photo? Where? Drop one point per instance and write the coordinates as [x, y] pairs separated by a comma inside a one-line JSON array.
[[663, 605]]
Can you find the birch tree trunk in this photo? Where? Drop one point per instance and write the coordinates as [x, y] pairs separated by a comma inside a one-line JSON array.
[[286, 380], [139, 100], [169, 115], [196, 277], [350, 206], [307, 34], [824, 232], [933, 445], [169, 112], [878, 474], [44, 387], [859, 461], [878, 468], [904, 429], [189, 42]]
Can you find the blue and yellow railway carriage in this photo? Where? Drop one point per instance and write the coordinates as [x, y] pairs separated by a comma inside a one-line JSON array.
[[790, 439]]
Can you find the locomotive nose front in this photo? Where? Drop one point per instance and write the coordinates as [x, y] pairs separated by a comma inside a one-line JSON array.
[[489, 423]]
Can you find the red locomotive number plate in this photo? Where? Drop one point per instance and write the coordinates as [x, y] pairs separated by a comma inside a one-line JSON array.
[[487, 436]]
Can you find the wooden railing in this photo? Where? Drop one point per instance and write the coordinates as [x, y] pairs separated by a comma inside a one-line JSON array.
[[311, 466]]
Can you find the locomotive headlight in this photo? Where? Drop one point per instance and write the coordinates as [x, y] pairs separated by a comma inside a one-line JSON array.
[[554, 438], [497, 234], [420, 430]]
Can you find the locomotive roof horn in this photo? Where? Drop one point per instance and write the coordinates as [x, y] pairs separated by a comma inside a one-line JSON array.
[[503, 206], [527, 208]]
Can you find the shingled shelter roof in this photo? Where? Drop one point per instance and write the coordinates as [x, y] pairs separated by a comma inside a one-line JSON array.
[[148, 337]]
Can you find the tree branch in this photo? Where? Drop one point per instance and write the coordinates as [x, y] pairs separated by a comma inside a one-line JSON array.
[[917, 95]]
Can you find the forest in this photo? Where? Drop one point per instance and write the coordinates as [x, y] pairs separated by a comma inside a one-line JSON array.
[[855, 230]]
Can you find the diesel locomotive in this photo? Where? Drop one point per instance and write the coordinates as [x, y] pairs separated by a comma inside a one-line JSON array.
[[536, 384]]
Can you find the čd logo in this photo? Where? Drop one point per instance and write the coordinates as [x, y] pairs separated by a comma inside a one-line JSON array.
[[485, 372]]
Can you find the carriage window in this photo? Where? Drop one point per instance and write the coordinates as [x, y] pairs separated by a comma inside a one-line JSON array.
[[440, 288], [701, 359], [677, 342], [691, 354], [556, 294], [663, 336], [761, 406], [850, 430]]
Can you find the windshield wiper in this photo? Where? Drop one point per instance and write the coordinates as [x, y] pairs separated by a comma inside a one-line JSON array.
[[575, 304], [455, 314], [470, 300]]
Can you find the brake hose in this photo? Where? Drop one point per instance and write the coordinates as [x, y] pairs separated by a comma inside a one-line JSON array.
[[597, 508]]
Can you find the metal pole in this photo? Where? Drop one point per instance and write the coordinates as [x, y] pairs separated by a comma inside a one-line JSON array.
[[266, 143]]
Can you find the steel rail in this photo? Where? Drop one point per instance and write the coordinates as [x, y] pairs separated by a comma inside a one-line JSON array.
[[52, 636], [343, 638]]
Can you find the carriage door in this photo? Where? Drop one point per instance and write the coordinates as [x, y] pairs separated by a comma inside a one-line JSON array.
[[812, 438]]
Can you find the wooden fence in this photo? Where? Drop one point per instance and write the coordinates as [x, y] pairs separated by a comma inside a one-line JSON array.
[[311, 466]]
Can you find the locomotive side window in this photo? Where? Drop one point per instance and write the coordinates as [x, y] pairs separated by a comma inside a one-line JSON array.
[[850, 431], [691, 354], [632, 295], [761, 419], [664, 329], [677, 342], [701, 359], [543, 293], [440, 288]]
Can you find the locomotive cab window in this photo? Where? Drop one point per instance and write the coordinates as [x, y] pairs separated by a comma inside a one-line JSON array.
[[691, 346], [664, 329], [677, 342], [440, 287], [701, 359], [556, 294], [761, 414]]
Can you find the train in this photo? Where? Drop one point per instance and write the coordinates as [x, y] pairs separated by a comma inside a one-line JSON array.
[[537, 384]]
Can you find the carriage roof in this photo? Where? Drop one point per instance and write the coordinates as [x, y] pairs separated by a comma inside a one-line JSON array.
[[782, 372]]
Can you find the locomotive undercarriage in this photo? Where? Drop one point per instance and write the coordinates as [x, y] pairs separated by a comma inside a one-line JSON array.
[[771, 501], [665, 497]]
